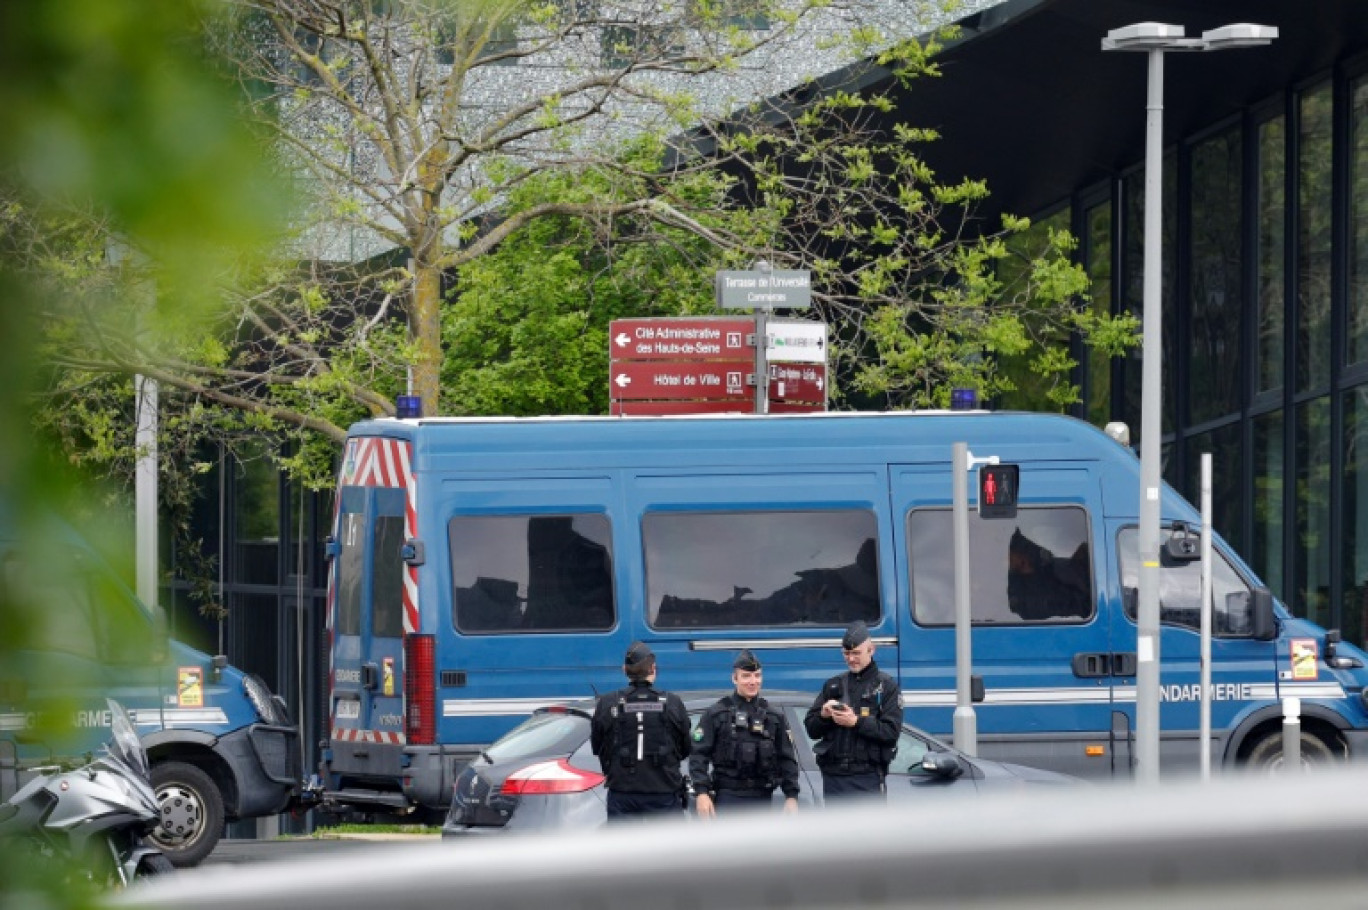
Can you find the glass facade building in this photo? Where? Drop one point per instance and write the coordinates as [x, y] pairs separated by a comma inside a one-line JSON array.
[[1265, 298]]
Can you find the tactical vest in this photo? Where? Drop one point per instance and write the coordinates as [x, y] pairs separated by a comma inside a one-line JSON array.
[[746, 753], [639, 731], [843, 750]]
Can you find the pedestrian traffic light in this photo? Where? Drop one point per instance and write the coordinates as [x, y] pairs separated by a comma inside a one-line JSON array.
[[997, 494]]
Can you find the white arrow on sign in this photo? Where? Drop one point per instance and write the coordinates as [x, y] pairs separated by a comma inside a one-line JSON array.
[[622, 339], [622, 380]]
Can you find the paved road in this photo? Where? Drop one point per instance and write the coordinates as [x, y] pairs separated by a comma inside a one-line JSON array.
[[230, 852]]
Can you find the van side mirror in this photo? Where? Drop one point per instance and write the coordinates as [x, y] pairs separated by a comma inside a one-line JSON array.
[[942, 764], [1332, 655], [1263, 626], [1182, 545]]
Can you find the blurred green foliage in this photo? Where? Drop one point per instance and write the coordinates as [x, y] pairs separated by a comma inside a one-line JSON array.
[[113, 132]]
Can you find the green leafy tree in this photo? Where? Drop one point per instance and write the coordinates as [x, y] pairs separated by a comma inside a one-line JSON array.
[[476, 243], [109, 125]]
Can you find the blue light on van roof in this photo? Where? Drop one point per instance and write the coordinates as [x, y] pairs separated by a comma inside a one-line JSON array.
[[963, 399], [406, 406]]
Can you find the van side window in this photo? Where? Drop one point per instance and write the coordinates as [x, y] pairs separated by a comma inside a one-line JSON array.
[[723, 569], [1036, 568], [84, 611], [351, 562], [66, 620], [1180, 588], [532, 573], [387, 571]]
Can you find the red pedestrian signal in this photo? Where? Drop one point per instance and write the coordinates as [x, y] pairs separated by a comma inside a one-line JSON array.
[[998, 488]]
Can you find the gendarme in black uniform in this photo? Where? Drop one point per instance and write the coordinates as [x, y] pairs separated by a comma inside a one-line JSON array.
[[748, 746], [854, 760], [641, 735]]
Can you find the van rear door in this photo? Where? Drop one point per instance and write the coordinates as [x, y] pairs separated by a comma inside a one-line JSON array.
[[1042, 649], [367, 634]]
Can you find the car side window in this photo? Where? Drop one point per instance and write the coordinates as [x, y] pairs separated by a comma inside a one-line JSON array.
[[911, 750]]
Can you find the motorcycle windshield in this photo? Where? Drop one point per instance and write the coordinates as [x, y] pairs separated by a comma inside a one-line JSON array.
[[124, 746]]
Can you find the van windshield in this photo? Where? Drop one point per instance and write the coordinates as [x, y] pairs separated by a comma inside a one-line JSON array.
[[1180, 588]]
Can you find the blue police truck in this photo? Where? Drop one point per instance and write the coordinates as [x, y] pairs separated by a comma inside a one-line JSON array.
[[221, 745], [483, 567]]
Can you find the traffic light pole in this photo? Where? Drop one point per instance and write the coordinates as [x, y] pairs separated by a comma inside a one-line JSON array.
[[966, 720]]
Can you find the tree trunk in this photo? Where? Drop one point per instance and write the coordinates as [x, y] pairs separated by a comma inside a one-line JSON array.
[[425, 330]]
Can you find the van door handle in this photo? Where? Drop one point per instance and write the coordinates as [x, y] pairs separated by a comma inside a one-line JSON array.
[[1091, 665], [370, 675], [1123, 663]]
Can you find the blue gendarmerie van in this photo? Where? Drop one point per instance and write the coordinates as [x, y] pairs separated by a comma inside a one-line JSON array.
[[481, 568], [221, 745]]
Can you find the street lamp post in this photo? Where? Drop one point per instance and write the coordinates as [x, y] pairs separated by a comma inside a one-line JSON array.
[[1155, 38]]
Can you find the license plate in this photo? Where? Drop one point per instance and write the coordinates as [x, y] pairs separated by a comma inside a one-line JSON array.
[[348, 709]]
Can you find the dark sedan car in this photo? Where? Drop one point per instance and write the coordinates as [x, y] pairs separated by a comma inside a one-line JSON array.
[[543, 776]]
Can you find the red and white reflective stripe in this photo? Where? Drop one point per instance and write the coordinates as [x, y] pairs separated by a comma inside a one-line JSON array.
[[378, 462], [410, 533], [372, 461], [342, 734]]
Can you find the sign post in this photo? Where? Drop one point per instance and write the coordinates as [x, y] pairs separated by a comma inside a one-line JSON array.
[[761, 365], [763, 289], [721, 364]]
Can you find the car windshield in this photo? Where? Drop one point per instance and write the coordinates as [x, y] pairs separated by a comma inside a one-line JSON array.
[[546, 733]]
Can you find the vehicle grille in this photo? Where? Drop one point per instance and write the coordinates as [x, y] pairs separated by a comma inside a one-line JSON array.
[[278, 753]]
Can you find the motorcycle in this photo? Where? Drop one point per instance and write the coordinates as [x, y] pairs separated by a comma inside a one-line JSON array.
[[91, 823]]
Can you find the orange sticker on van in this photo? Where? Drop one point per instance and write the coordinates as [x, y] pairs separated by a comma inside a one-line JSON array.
[[1305, 664], [190, 687]]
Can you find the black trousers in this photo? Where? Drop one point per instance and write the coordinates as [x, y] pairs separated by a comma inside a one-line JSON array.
[[623, 806], [837, 787]]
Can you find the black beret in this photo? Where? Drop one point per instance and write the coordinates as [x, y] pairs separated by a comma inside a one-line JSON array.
[[856, 634], [746, 661]]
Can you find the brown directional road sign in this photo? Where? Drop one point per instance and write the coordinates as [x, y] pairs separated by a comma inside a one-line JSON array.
[[797, 382], [662, 408], [647, 379], [682, 339]]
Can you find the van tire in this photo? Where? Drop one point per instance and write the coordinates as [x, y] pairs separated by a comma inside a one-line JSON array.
[[1267, 754], [191, 812]]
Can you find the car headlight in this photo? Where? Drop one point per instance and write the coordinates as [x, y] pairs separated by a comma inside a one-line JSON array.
[[260, 696]]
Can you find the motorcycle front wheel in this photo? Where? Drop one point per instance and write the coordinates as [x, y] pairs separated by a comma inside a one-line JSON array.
[[152, 865]]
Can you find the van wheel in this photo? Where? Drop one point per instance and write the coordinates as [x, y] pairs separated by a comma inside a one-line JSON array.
[[191, 812], [1267, 754]]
